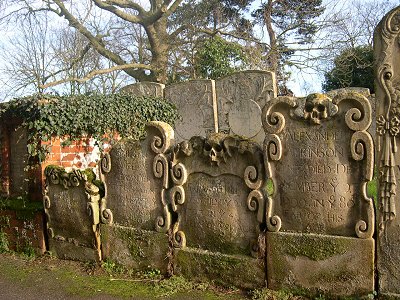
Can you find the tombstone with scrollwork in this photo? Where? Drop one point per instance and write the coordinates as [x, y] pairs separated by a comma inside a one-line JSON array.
[[71, 205], [387, 83], [219, 200], [319, 156], [134, 210]]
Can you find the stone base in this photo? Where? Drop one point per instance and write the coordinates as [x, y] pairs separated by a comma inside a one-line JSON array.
[[227, 270], [319, 264], [134, 248], [67, 250], [388, 296]]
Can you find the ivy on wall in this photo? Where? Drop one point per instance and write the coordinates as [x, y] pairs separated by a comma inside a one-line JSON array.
[[73, 117]]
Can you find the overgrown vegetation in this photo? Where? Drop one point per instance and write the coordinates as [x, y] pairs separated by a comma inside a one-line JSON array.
[[73, 117], [24, 208]]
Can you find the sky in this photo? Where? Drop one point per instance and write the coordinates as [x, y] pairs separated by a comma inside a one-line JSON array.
[[301, 83]]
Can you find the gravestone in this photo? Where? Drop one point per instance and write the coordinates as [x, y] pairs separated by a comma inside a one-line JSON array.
[[135, 209], [196, 103], [387, 76], [241, 97], [71, 205], [219, 200], [18, 161], [319, 156], [152, 89]]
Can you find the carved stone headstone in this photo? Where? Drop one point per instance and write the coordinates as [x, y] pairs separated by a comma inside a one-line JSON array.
[[241, 97], [219, 200], [152, 89], [387, 83], [196, 103], [18, 161], [72, 213], [319, 156], [134, 209]]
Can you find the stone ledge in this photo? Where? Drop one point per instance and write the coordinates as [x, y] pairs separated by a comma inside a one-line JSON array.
[[135, 248], [227, 270], [320, 264]]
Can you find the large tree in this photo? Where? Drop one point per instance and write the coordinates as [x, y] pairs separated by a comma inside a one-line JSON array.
[[160, 40]]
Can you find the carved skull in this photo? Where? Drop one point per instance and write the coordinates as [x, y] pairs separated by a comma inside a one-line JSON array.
[[316, 108], [214, 151]]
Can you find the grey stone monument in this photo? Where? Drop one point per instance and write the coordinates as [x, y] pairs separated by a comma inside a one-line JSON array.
[[219, 200], [152, 89], [241, 97], [387, 82], [134, 211], [319, 156], [71, 205], [196, 103]]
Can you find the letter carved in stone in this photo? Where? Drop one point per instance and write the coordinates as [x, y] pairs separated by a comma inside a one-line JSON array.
[[311, 150]]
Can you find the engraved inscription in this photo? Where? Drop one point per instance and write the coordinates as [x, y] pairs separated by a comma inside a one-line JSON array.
[[216, 216], [131, 192], [318, 180], [69, 216]]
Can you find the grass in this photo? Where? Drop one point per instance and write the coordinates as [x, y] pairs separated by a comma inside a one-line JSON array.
[[72, 278]]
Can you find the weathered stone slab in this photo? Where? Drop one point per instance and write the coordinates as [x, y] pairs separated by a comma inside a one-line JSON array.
[[320, 158], [319, 264], [136, 177], [196, 103], [135, 248], [219, 200], [152, 89], [226, 270], [18, 161], [241, 97], [386, 53], [72, 213]]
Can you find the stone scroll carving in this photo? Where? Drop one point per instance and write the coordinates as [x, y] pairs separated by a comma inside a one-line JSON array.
[[71, 205], [319, 156], [219, 201], [388, 111], [387, 83], [136, 177]]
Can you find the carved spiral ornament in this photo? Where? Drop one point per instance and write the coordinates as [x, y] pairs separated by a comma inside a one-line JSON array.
[[179, 237], [163, 223], [105, 163], [106, 216], [46, 202], [274, 223], [160, 144], [392, 23], [252, 178], [177, 196], [273, 147], [179, 174], [256, 202], [355, 118], [273, 121], [160, 168]]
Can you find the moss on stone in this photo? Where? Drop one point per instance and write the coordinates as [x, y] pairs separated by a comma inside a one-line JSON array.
[[310, 246], [225, 270]]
